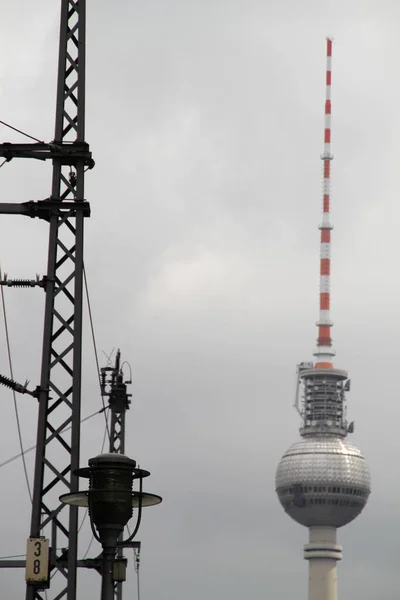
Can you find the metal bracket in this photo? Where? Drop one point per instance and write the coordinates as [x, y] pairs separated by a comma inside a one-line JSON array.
[[43, 209], [66, 153]]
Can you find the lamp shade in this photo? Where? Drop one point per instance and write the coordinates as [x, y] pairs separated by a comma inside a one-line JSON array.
[[82, 499], [110, 497]]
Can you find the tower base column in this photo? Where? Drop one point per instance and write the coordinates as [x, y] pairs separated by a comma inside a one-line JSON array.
[[322, 552]]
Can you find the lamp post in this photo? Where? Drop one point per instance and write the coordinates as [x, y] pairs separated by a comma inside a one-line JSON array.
[[111, 499]]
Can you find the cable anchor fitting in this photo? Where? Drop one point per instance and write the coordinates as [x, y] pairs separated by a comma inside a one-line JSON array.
[[17, 387], [24, 282]]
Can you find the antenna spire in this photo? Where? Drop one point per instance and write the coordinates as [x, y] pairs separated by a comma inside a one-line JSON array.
[[324, 351]]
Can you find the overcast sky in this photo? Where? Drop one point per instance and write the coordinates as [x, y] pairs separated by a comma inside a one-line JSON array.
[[206, 123]]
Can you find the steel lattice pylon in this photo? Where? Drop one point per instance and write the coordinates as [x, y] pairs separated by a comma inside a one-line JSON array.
[[59, 393], [57, 454]]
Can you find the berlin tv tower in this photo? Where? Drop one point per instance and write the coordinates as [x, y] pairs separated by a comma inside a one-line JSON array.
[[323, 481]]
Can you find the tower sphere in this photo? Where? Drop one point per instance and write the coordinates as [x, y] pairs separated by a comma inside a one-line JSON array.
[[323, 480]]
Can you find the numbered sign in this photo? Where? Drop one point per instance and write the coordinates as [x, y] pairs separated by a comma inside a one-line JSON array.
[[37, 560]]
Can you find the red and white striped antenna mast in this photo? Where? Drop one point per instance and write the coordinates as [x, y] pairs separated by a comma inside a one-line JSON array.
[[324, 352]]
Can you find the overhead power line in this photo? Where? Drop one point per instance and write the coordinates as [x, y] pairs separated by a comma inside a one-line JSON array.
[[95, 349], [13, 391], [31, 137], [86, 511], [9, 460]]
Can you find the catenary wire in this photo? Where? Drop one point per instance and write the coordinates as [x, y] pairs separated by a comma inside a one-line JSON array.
[[136, 565], [107, 430], [12, 458], [86, 512], [95, 349], [23, 452], [22, 132], [14, 394], [104, 409], [101, 451]]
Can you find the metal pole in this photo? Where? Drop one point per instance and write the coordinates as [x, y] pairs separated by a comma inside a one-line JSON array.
[[107, 583]]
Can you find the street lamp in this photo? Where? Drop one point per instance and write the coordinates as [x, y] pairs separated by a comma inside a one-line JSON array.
[[111, 500]]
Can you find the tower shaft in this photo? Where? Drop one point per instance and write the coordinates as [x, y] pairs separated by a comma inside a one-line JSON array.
[[324, 351], [322, 552]]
